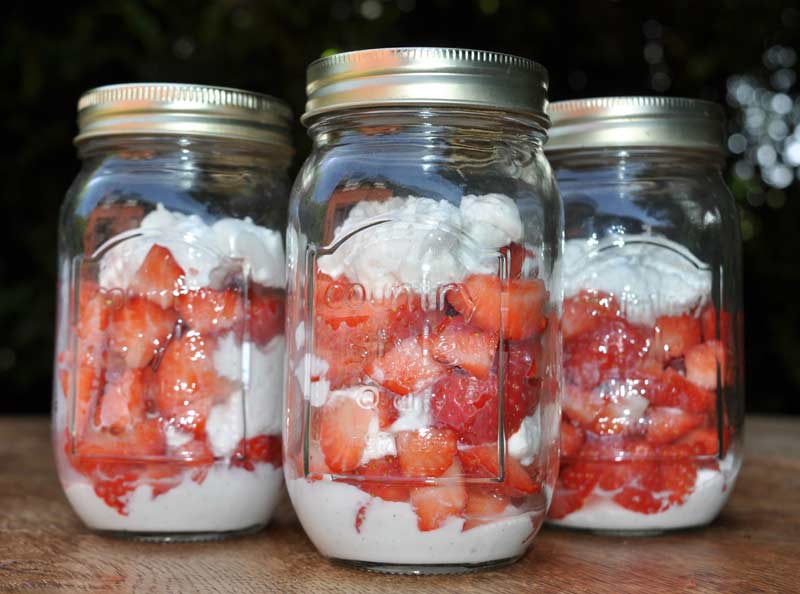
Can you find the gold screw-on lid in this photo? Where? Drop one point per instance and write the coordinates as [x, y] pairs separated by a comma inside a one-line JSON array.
[[183, 109], [426, 76], [620, 122]]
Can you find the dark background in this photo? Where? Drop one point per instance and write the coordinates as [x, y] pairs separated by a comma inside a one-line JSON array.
[[742, 54]]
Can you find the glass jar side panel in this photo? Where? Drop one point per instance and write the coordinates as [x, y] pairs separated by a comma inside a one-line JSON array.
[[169, 370], [652, 394], [421, 391]]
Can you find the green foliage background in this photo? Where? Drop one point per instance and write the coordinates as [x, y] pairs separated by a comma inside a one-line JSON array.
[[50, 53]]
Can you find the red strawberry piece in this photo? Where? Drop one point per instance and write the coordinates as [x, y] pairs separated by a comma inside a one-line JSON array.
[[388, 412], [701, 364], [586, 311], [139, 330], [483, 507], [703, 441], [144, 440], [572, 439], [122, 403], [672, 389], [482, 298], [611, 350], [409, 367], [187, 383], [482, 461], [665, 425], [159, 279], [674, 477], [343, 431], [639, 500], [261, 449], [575, 482], [116, 491], [266, 314], [436, 504], [619, 462], [381, 479], [466, 405], [520, 385], [208, 312], [516, 254], [674, 335], [710, 324], [425, 453], [469, 348]]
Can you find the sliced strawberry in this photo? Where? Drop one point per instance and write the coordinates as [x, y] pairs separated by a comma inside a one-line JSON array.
[[665, 425], [708, 319], [266, 314], [575, 482], [623, 408], [139, 330], [210, 312], [482, 462], [261, 449], [674, 335], [619, 462], [701, 364], [426, 453], [586, 311], [123, 402], [701, 442], [516, 254], [187, 383], [466, 405], [159, 279], [343, 433], [483, 507], [376, 472], [572, 439], [672, 389], [482, 298], [464, 346], [434, 505], [388, 412], [409, 367], [520, 384], [144, 440], [639, 500], [581, 406], [611, 350]]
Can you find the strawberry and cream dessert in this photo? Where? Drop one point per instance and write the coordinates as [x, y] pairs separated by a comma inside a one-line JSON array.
[[169, 418], [645, 439], [421, 424]]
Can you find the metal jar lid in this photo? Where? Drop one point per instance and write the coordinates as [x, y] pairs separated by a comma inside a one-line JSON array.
[[426, 76], [183, 109], [636, 122]]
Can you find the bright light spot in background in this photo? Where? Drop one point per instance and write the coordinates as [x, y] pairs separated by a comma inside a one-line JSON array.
[[371, 9]]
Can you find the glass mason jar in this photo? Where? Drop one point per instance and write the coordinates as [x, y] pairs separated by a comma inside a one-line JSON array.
[[422, 306], [653, 394], [169, 356]]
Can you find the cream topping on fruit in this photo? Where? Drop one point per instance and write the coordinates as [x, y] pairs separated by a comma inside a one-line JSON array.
[[414, 412], [649, 275], [421, 242], [208, 253], [377, 443], [524, 444]]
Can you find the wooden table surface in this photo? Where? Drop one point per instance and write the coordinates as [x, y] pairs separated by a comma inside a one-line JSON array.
[[754, 546]]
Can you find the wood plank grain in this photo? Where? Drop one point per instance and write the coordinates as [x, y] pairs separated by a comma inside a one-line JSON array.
[[753, 548]]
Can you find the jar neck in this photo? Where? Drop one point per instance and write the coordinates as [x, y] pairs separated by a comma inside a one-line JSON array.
[[222, 152], [619, 163], [425, 125]]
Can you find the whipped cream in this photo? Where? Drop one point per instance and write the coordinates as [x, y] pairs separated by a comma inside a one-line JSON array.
[[525, 443], [388, 530], [421, 242], [207, 253], [649, 275], [228, 499], [711, 491]]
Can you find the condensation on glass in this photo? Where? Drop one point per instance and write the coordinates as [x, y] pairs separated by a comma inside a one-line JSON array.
[[422, 256], [653, 393], [169, 355]]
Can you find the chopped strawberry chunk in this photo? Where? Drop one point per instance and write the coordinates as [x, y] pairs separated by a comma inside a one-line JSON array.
[[466, 405], [701, 364], [466, 347], [266, 315], [207, 311], [572, 439], [380, 479], [145, 439], [639, 500], [708, 319], [665, 425], [434, 505], [575, 482], [520, 384], [426, 453], [581, 406], [703, 441], [122, 403], [261, 449], [517, 255], [483, 507], [482, 298], [482, 461], [343, 432], [586, 311], [618, 463], [674, 335], [159, 279], [409, 367], [139, 330], [672, 389]]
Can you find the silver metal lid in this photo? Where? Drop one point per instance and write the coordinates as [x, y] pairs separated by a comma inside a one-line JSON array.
[[620, 122], [183, 109], [426, 76]]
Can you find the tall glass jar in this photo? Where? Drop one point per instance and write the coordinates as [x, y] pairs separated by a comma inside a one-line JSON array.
[[422, 257], [169, 356], [653, 394]]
